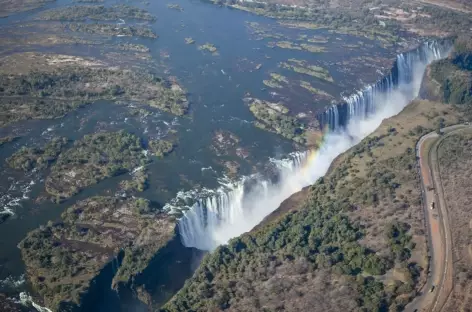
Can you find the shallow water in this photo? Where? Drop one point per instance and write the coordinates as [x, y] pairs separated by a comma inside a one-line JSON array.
[[216, 85]]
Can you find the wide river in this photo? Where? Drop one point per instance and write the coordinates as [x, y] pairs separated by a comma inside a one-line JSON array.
[[216, 85]]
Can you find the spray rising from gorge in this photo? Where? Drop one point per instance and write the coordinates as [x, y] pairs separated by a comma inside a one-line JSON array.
[[236, 208]]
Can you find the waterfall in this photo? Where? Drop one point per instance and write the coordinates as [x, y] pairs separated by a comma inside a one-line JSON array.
[[363, 103], [236, 207], [227, 204]]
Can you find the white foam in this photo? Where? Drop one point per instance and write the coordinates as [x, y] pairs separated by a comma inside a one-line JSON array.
[[12, 283], [237, 207], [27, 300]]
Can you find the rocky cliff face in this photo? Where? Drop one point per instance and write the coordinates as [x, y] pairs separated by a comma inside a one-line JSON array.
[[430, 88]]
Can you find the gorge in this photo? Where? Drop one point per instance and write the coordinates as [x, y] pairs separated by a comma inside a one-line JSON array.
[[195, 156], [236, 208]]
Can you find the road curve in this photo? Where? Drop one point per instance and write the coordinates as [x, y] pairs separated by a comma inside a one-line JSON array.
[[439, 241]]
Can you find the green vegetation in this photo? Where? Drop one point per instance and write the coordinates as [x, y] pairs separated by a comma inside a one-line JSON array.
[[295, 46], [312, 48], [273, 117], [52, 91], [113, 30], [65, 258], [209, 47], [300, 24], [262, 32], [384, 21], [275, 81], [315, 91], [16, 109], [458, 88], [272, 84], [285, 45], [39, 158], [139, 182], [92, 159], [303, 68], [278, 77], [94, 12], [355, 229], [160, 148], [225, 143], [317, 234], [454, 76], [357, 19], [133, 47], [400, 240], [189, 40]]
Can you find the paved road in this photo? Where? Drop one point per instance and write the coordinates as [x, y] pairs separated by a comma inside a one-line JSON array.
[[437, 225]]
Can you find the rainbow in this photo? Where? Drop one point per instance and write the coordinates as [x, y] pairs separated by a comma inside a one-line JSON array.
[[313, 155]]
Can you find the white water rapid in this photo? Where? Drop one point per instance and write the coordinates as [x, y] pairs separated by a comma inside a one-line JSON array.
[[236, 208]]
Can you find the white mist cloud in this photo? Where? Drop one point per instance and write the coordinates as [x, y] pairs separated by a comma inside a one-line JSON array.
[[219, 218]]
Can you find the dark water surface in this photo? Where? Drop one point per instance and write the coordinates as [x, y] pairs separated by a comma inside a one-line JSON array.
[[216, 85]]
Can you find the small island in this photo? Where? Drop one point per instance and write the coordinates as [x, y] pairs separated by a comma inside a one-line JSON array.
[[275, 81], [224, 142], [274, 117], [302, 67], [133, 47], [209, 47], [295, 46], [315, 91]]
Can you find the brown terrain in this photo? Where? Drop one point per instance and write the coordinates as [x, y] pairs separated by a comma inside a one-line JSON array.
[[456, 5], [421, 17], [455, 161], [8, 7]]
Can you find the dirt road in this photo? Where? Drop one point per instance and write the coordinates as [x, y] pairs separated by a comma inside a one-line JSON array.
[[439, 282]]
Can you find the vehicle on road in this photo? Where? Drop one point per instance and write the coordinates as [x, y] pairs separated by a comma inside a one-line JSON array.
[[432, 205], [432, 288]]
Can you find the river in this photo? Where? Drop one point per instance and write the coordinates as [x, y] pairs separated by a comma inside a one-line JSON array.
[[216, 85]]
